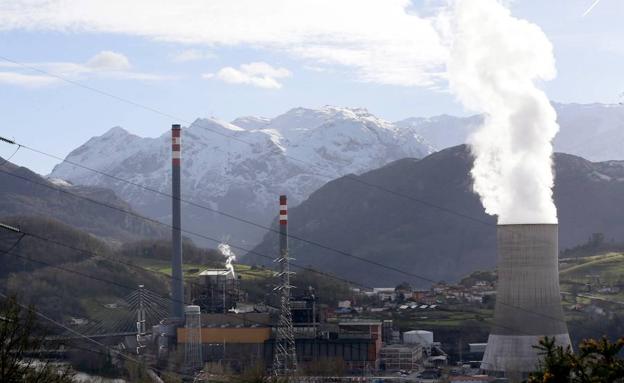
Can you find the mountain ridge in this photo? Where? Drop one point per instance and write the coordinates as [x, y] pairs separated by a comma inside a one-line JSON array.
[[433, 224], [25, 193], [241, 171], [593, 131]]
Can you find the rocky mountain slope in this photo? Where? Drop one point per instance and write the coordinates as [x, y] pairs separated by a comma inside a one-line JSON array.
[[402, 232], [25, 193], [242, 167], [592, 131]]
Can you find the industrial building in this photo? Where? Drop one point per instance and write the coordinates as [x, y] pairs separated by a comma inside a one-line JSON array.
[[397, 357], [245, 340], [216, 290], [293, 335]]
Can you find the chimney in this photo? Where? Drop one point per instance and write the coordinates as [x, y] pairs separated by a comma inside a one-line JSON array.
[[284, 352], [528, 300], [177, 282], [283, 222]]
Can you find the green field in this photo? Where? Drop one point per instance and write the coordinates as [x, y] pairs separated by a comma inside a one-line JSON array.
[[608, 266], [192, 270], [606, 269]]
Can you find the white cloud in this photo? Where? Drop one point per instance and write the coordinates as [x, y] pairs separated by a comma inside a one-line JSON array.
[[192, 55], [109, 61], [105, 64], [26, 80], [259, 74], [383, 41]]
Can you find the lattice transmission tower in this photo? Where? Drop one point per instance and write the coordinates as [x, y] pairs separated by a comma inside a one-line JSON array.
[[284, 354]]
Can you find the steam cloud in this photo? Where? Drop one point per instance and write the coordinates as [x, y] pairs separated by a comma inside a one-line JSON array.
[[229, 255], [494, 64]]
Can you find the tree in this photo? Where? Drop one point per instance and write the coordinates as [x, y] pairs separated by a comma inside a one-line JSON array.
[[20, 334], [596, 361]]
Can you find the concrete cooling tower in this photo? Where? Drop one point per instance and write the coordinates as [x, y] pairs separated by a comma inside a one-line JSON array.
[[528, 301]]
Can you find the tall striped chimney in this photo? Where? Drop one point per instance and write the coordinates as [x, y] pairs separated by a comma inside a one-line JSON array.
[[177, 281]]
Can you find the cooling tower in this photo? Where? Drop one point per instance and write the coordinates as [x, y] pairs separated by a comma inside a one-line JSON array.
[[528, 301]]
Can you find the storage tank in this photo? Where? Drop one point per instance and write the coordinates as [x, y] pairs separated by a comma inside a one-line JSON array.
[[422, 337]]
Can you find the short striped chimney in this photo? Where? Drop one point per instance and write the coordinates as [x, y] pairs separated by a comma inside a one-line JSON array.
[[283, 210], [284, 353], [283, 222], [177, 281]]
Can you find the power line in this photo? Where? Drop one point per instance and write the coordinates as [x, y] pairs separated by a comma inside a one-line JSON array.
[[226, 314], [159, 223], [94, 254], [136, 215], [154, 110], [375, 263], [168, 115], [129, 102], [231, 216], [268, 228], [171, 299], [8, 159], [378, 264], [103, 280], [130, 264], [246, 221]]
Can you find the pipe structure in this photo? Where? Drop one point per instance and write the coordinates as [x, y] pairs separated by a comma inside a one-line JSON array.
[[177, 281], [528, 299]]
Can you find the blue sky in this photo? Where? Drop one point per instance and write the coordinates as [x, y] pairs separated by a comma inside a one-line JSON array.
[[225, 63]]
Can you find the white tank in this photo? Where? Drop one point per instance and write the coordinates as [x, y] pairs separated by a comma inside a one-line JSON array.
[[192, 310], [421, 337]]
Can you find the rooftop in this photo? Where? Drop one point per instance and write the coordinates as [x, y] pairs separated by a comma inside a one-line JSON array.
[[215, 272]]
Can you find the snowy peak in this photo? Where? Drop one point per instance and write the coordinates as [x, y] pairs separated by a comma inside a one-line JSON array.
[[251, 122], [240, 167], [116, 132], [593, 131], [310, 119]]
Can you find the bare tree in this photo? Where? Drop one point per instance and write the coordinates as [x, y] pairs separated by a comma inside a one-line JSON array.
[[19, 335]]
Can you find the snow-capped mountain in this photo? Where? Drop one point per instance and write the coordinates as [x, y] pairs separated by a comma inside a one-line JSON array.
[[592, 131], [241, 167]]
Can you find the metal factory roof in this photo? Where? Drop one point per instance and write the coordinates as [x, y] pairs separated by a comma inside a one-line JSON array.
[[360, 323], [215, 272]]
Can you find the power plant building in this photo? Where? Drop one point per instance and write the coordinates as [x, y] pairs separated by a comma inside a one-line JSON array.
[[216, 290], [246, 340], [396, 357]]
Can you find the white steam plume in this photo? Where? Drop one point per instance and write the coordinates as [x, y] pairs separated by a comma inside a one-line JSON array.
[[229, 255], [494, 65]]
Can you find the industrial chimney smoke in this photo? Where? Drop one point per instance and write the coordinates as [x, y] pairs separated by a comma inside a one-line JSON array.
[[177, 282], [528, 301]]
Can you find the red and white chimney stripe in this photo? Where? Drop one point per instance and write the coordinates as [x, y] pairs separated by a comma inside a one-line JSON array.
[[176, 145], [283, 215]]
